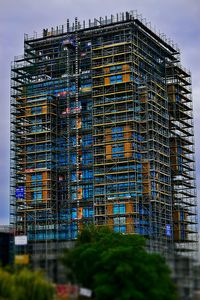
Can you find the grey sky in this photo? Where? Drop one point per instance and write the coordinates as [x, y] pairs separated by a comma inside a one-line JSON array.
[[178, 19]]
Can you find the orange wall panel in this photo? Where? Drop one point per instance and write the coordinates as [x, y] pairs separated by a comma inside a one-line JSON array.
[[129, 226], [44, 176], [126, 77], [80, 213], [108, 135], [28, 194], [107, 80], [129, 207], [78, 124], [127, 149], [80, 193], [108, 151], [145, 167], [109, 209], [28, 180], [44, 109], [125, 67], [127, 132], [146, 188], [44, 195], [110, 221], [107, 70]]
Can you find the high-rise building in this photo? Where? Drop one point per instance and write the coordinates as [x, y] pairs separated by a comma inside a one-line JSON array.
[[101, 132]]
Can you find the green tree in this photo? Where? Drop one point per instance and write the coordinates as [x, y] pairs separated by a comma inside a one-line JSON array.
[[117, 266], [24, 284], [7, 289]]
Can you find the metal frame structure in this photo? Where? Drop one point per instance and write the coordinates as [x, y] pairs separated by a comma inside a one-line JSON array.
[[102, 132]]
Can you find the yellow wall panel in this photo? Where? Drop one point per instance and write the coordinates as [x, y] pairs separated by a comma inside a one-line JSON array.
[[22, 259]]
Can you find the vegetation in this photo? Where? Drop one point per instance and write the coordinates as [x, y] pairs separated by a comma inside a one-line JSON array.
[[23, 285], [117, 266]]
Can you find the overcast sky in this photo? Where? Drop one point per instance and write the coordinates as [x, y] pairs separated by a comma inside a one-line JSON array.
[[178, 19]]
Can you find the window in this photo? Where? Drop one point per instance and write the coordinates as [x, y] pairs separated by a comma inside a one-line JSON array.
[[86, 158], [87, 212], [87, 140], [115, 69], [87, 192], [119, 220], [74, 228], [181, 216], [116, 149], [73, 158], [73, 140], [74, 213], [117, 133], [73, 176], [168, 230], [36, 110], [74, 196], [120, 228], [37, 176], [37, 195], [119, 208], [115, 78], [87, 174]]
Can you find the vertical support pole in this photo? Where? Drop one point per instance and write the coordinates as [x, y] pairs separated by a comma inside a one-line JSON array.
[[77, 114]]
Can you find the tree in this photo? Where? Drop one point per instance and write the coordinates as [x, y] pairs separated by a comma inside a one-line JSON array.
[[117, 266], [6, 285], [24, 284]]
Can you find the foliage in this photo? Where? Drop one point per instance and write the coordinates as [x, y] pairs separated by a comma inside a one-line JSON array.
[[24, 284], [117, 266]]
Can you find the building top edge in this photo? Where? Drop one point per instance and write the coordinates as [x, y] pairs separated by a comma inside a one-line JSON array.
[[77, 25]]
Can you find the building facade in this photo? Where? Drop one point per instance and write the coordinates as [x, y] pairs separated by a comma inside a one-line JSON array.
[[101, 132]]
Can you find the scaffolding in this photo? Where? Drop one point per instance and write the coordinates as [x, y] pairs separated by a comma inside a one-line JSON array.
[[101, 132]]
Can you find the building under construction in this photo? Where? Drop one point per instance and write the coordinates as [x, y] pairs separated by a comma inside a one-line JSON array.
[[101, 132]]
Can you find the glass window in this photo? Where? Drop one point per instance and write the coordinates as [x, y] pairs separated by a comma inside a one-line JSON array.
[[117, 148], [36, 110], [120, 228], [73, 158], [115, 78], [87, 212], [119, 208], [74, 213], [119, 220], [37, 176], [37, 195], [73, 176]]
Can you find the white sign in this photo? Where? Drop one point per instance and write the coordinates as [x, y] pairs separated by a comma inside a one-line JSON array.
[[21, 240], [85, 292]]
